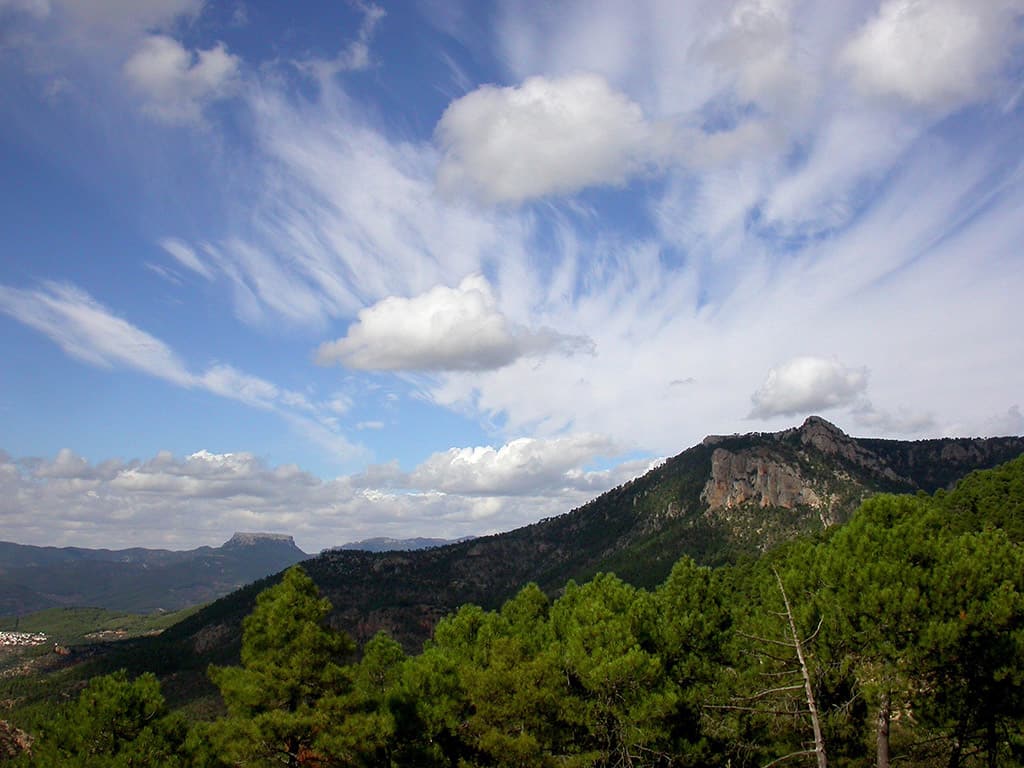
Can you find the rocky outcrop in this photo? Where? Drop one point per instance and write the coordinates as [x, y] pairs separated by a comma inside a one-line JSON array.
[[784, 471], [821, 472], [13, 741], [753, 477], [830, 440], [242, 539]]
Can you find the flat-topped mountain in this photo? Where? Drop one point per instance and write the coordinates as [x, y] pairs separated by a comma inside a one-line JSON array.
[[137, 580], [727, 496]]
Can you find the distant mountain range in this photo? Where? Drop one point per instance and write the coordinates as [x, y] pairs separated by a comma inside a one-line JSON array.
[[136, 580], [727, 497]]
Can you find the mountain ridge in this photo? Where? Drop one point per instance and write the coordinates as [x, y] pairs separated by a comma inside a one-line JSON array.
[[715, 501], [136, 579]]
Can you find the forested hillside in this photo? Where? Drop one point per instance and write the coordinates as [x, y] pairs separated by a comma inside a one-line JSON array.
[[723, 500], [135, 580], [895, 639]]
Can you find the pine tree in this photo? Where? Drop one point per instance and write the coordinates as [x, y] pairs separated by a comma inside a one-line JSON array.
[[290, 662]]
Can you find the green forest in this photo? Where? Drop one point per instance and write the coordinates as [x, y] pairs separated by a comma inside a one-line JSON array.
[[895, 639]]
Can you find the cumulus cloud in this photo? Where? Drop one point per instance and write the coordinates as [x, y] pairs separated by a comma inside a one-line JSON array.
[[808, 384], [544, 137], [756, 46], [443, 329], [526, 465], [941, 53], [177, 83], [203, 497]]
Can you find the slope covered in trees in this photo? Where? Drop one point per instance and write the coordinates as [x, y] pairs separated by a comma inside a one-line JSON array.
[[896, 639], [728, 498]]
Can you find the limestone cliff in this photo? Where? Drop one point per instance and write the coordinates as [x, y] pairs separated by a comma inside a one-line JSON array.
[[753, 476], [768, 486]]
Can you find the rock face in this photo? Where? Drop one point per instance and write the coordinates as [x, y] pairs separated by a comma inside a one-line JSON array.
[[767, 486], [241, 539], [784, 471], [739, 478]]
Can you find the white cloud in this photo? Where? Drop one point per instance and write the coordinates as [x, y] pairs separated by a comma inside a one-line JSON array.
[[756, 46], [337, 212], [66, 466], [204, 497], [356, 55], [939, 53], [1010, 422], [227, 381], [123, 19], [340, 403], [523, 466], [808, 384], [337, 216], [903, 422], [544, 137], [177, 83], [443, 329], [88, 331], [186, 256]]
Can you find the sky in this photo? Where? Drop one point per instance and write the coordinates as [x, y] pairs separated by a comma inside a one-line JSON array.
[[442, 268]]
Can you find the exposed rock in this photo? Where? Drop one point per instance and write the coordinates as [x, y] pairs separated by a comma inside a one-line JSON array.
[[13, 741], [832, 441], [243, 539], [211, 637], [750, 476]]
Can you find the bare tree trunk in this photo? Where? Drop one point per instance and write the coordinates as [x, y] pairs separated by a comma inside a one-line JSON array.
[[812, 707], [882, 733]]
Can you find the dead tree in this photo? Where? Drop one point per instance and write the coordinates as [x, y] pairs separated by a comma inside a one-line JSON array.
[[760, 702]]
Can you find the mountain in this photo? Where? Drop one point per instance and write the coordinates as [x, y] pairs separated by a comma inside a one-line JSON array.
[[385, 544], [722, 499], [136, 580]]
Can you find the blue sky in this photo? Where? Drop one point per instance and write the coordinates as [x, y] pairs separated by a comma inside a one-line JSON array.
[[441, 268]]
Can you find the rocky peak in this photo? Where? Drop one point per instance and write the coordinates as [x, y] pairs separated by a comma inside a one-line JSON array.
[[763, 471], [817, 428], [242, 539]]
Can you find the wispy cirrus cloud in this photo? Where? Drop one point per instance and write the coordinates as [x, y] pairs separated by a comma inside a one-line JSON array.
[[186, 256], [693, 194], [88, 331]]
